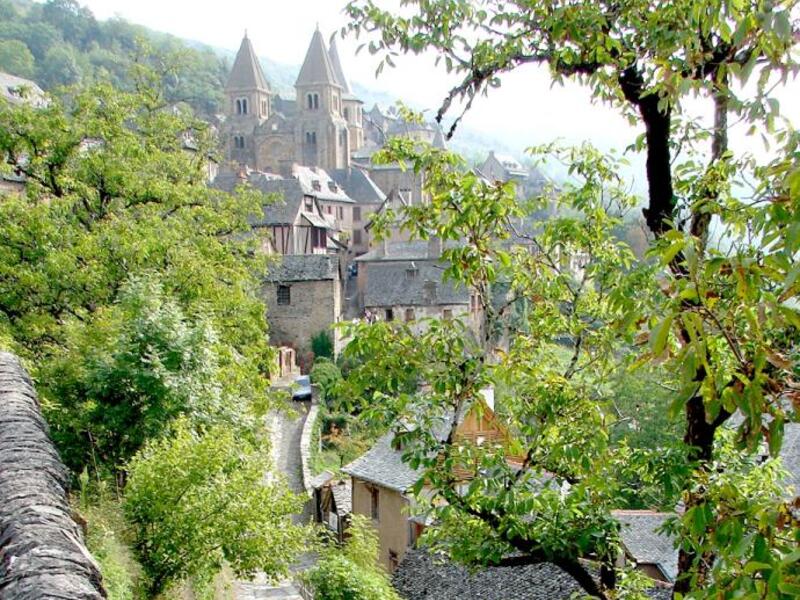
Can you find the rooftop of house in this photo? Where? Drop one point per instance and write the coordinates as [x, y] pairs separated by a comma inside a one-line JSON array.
[[400, 251], [383, 466], [358, 185], [342, 491], [303, 267], [412, 283], [643, 541], [424, 576], [316, 182], [283, 209]]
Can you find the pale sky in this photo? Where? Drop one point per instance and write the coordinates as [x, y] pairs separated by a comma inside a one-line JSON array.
[[524, 111]]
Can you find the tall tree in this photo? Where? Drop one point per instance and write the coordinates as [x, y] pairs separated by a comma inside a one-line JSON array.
[[645, 58]]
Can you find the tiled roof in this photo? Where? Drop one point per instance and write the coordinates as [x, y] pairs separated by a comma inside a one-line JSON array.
[[317, 67], [336, 63], [303, 267], [413, 250], [384, 466], [316, 182], [423, 576], [281, 211], [246, 72], [358, 185], [342, 491], [644, 543], [391, 284]]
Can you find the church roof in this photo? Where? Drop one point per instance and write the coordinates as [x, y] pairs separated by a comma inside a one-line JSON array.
[[246, 72], [317, 67], [336, 63]]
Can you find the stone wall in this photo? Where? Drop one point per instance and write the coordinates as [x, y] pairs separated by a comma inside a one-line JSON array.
[[314, 307], [42, 553]]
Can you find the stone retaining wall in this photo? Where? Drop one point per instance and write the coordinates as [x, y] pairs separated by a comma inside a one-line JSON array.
[[42, 552], [305, 441]]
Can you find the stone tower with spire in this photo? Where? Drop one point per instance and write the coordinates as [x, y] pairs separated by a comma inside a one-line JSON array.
[[352, 107], [322, 136], [248, 100]]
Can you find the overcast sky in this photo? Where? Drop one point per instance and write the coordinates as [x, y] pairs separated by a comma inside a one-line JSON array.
[[524, 111]]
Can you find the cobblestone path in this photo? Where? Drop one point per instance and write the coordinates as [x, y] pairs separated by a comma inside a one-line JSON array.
[[285, 431]]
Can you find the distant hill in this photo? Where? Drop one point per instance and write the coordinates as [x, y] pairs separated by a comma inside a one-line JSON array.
[[60, 43]]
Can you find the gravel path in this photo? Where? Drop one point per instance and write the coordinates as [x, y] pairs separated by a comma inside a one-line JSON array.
[[286, 431]]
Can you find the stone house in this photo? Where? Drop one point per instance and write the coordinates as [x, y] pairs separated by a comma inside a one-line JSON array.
[[504, 168], [334, 202], [404, 281], [381, 484], [332, 503], [368, 198], [303, 294]]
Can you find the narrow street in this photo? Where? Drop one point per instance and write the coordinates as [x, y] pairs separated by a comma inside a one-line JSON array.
[[286, 431]]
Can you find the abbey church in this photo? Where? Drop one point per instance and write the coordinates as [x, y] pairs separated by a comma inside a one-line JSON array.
[[321, 128]]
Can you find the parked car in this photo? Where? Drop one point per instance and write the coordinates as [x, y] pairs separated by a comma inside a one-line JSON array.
[[352, 269], [301, 389]]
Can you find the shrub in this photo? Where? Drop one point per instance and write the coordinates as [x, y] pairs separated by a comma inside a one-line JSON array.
[[322, 345], [326, 375]]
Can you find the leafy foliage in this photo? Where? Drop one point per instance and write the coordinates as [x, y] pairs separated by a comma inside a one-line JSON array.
[[198, 500], [59, 42], [350, 572], [322, 345], [326, 375], [130, 285]]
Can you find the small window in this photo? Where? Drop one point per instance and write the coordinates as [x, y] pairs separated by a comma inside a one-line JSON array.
[[310, 102], [238, 141], [447, 314], [329, 210], [347, 113], [309, 205], [284, 295], [339, 213], [332, 186], [244, 106], [263, 108], [356, 213], [409, 315], [316, 101], [389, 314], [315, 184], [311, 137], [374, 504], [356, 236]]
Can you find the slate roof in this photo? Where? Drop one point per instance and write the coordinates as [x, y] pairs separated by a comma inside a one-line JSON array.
[[11, 89], [317, 68], [336, 62], [389, 284], [424, 576], [303, 267], [42, 553], [282, 211], [643, 542], [329, 188], [397, 251], [246, 72], [358, 185], [342, 491], [383, 465]]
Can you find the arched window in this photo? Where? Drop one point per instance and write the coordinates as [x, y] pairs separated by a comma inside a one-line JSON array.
[[263, 108], [244, 106], [347, 113], [310, 101], [238, 141], [311, 137], [238, 106]]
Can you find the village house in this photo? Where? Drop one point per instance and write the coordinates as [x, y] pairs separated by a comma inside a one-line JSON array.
[[381, 483], [303, 294], [404, 281], [332, 502]]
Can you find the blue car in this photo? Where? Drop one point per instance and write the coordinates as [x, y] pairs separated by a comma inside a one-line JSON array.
[[301, 389]]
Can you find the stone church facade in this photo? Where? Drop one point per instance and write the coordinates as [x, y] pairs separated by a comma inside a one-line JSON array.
[[321, 128]]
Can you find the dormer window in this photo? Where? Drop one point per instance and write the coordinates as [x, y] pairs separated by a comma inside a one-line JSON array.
[[315, 184], [309, 204], [332, 186]]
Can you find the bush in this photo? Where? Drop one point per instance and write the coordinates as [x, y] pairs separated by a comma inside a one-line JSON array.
[[351, 573], [326, 375], [322, 345], [196, 502]]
